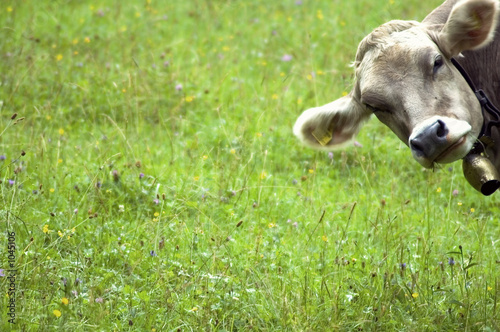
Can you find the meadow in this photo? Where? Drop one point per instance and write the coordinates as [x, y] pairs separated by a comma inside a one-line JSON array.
[[150, 180]]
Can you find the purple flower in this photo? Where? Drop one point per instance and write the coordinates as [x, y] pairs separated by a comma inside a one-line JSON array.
[[156, 201], [289, 221], [3, 157], [294, 181], [153, 253], [2, 274], [286, 58], [98, 184], [141, 175], [35, 192], [357, 144], [75, 211], [455, 192], [99, 300], [298, 2], [178, 87], [11, 182], [295, 224], [330, 155], [403, 266], [451, 261]]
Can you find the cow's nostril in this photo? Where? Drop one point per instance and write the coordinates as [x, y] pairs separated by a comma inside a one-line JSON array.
[[441, 130], [416, 145]]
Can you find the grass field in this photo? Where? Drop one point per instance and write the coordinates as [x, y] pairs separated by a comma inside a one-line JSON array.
[[151, 182]]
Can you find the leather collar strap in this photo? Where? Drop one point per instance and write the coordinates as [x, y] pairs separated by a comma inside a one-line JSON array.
[[486, 105]]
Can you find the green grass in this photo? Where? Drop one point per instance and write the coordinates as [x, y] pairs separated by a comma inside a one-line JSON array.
[[234, 225]]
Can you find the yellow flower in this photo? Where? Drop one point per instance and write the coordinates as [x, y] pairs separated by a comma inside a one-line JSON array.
[[52, 190], [87, 40], [489, 288], [311, 171], [299, 101], [156, 214], [264, 63], [9, 9], [438, 190], [57, 313], [320, 72], [324, 238], [75, 41], [459, 203], [226, 48], [59, 161], [189, 99], [124, 90], [259, 134], [46, 229], [194, 309], [59, 57], [309, 77], [275, 96], [73, 230], [319, 15], [75, 52], [289, 19], [282, 74], [137, 14], [263, 175], [123, 28], [414, 295], [271, 225], [61, 131], [196, 178], [344, 93], [64, 300], [472, 210], [60, 233], [205, 157], [48, 117], [342, 23], [233, 151]]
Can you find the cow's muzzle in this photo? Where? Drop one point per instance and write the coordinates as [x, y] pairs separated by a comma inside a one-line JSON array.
[[440, 140]]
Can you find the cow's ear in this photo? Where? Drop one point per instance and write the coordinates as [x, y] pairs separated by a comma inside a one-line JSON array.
[[471, 24], [331, 125]]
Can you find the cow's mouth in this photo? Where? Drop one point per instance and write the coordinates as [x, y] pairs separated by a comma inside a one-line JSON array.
[[446, 157]]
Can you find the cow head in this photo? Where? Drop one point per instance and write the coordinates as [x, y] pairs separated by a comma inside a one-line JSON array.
[[403, 75]]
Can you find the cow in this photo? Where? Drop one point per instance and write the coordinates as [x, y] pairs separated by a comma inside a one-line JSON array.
[[433, 83]]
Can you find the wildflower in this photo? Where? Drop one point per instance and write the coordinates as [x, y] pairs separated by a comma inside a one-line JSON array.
[[414, 295], [61, 131], [258, 134], [403, 266], [286, 58], [98, 184], [64, 300], [153, 253], [9, 9], [189, 99], [141, 175], [294, 182], [73, 230], [35, 192], [324, 238], [295, 224], [299, 101], [330, 155], [116, 176], [459, 203], [99, 300], [263, 175], [451, 261], [2, 274], [472, 210], [46, 229], [275, 96], [298, 2], [59, 161], [156, 214], [156, 201], [178, 87], [319, 15], [455, 192], [232, 151], [56, 313], [357, 144], [311, 171], [75, 211], [226, 48], [3, 157], [121, 208], [60, 233], [438, 190], [194, 309], [271, 225], [87, 40], [489, 288], [205, 157], [59, 57], [11, 182], [196, 178]]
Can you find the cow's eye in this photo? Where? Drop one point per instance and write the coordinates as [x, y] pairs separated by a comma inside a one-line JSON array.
[[373, 109], [438, 62]]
